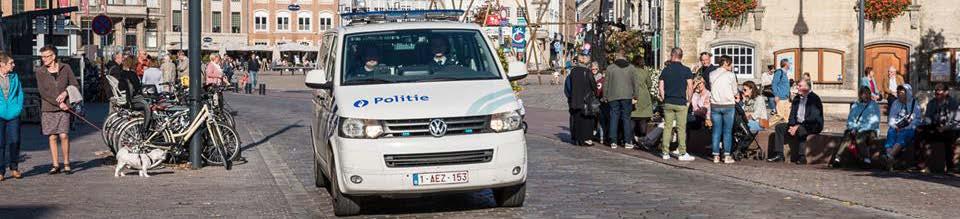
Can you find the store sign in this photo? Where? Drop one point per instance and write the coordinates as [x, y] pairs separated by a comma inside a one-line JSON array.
[[207, 39], [293, 7], [519, 37], [493, 20]]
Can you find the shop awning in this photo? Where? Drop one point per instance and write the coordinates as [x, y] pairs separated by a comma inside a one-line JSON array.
[[296, 47]]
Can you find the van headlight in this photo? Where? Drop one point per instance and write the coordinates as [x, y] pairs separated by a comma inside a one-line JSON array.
[[506, 121], [360, 128]]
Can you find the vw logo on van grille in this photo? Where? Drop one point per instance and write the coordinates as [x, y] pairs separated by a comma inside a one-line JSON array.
[[438, 127]]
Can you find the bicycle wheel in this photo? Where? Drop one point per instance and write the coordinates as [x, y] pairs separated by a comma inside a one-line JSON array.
[[131, 134], [105, 134], [230, 145]]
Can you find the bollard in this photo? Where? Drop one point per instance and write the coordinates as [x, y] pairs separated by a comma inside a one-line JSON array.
[[263, 89], [248, 89]]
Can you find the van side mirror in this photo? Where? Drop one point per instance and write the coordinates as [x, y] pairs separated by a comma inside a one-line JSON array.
[[317, 79], [517, 71]]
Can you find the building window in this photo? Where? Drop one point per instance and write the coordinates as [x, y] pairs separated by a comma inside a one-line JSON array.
[[825, 66], [217, 17], [151, 36], [17, 6], [326, 21], [743, 58], [131, 39], [40, 4], [87, 33], [177, 20], [303, 21], [260, 21], [945, 66], [521, 12], [283, 21], [235, 22]]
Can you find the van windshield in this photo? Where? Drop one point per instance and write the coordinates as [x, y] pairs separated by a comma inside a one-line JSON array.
[[417, 56]]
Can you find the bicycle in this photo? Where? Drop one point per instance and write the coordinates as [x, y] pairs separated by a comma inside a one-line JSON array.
[[221, 144]]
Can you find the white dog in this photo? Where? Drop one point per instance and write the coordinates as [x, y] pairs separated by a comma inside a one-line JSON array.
[[137, 161]]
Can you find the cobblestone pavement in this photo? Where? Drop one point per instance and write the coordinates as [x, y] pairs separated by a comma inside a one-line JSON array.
[[911, 194], [277, 182], [564, 182]]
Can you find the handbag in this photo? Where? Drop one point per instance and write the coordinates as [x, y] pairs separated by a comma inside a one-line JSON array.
[[591, 103], [907, 119], [767, 91]]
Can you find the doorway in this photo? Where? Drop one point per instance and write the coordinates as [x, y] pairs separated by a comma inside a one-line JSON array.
[[883, 56]]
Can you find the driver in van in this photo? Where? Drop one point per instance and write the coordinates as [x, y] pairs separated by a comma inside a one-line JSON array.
[[439, 48], [371, 62]]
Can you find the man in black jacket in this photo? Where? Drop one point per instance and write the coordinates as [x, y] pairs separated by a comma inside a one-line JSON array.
[[806, 119], [936, 131], [706, 66]]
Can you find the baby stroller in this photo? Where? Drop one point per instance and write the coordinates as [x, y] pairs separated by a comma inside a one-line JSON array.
[[743, 138]]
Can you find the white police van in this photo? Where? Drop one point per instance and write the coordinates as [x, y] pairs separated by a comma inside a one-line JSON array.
[[408, 108]]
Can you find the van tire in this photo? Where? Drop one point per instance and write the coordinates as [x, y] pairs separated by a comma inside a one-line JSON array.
[[511, 196], [319, 179], [343, 205]]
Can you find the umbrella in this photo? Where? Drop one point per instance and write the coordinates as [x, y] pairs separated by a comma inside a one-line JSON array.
[[276, 53]]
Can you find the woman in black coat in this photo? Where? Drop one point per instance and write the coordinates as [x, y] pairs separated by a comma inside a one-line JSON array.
[[582, 84]]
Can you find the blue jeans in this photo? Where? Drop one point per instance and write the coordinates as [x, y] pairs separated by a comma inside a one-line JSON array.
[[904, 138], [9, 144], [620, 114], [722, 125], [253, 78], [772, 103]]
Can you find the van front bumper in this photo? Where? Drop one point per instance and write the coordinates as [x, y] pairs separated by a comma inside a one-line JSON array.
[[364, 158]]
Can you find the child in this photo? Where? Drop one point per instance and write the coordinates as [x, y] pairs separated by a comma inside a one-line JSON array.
[[244, 78]]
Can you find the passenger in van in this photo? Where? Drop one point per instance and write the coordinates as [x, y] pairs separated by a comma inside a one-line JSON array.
[[440, 49]]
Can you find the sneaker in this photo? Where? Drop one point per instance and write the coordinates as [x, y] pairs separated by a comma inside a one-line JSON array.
[[628, 146], [675, 153], [614, 145], [686, 157], [867, 161], [716, 159], [728, 160], [588, 142], [665, 156]]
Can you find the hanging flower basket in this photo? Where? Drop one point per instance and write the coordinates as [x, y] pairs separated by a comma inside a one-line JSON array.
[[885, 10], [729, 12], [631, 41]]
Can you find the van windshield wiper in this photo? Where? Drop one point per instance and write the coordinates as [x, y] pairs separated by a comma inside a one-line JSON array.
[[439, 79], [370, 81]]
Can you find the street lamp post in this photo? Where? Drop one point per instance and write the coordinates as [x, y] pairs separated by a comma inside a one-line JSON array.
[[195, 77], [860, 52]]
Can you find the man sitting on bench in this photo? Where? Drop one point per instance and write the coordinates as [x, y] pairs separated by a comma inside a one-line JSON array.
[[806, 119], [863, 123]]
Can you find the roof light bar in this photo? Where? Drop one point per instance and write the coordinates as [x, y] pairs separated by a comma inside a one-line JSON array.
[[362, 16]]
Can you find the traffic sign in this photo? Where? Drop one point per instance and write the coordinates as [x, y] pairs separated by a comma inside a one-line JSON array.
[[102, 25]]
